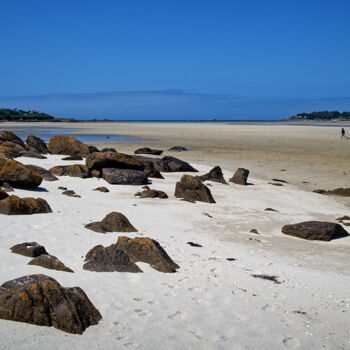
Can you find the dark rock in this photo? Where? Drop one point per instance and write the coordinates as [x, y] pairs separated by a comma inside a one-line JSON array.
[[148, 251], [96, 173], [124, 176], [177, 149], [71, 193], [315, 230], [270, 209], [146, 187], [31, 249], [271, 278], [154, 173], [93, 149], [278, 180], [191, 188], [240, 176], [62, 188], [67, 145], [18, 175], [152, 194], [45, 174], [215, 175], [109, 259], [37, 143], [3, 195], [276, 184], [32, 155], [49, 262], [75, 170], [171, 164], [72, 158], [345, 217], [41, 300], [8, 152], [254, 230], [343, 192], [102, 189], [147, 150], [147, 162], [6, 135], [6, 187], [192, 244], [113, 222], [14, 205], [102, 160], [110, 149]]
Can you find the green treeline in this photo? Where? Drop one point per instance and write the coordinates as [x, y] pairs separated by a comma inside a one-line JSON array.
[[324, 115], [20, 115]]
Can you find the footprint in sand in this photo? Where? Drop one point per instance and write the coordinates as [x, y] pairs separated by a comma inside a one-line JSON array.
[[142, 313], [131, 345], [171, 294], [176, 316], [290, 342], [201, 302], [196, 289], [210, 337]]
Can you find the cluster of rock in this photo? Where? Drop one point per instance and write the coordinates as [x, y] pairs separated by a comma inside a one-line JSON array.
[[40, 256]]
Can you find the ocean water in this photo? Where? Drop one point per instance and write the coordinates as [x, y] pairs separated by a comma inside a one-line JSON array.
[[46, 132]]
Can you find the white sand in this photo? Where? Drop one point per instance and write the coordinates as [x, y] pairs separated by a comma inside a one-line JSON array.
[[210, 303]]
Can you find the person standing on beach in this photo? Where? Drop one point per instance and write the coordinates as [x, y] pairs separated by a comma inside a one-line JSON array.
[[342, 134]]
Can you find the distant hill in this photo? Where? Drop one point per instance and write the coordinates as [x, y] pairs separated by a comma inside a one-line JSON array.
[[324, 115], [20, 115]]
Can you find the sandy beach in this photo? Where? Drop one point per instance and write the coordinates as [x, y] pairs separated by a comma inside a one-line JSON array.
[[212, 301]]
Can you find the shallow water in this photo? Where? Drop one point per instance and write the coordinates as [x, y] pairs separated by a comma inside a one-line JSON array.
[[46, 132]]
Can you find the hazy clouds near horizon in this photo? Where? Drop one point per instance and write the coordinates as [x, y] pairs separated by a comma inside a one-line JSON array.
[[170, 105]]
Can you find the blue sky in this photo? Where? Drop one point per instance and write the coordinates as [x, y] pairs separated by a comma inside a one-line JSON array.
[[175, 59]]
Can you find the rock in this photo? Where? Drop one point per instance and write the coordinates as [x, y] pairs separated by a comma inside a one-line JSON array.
[[67, 145], [6, 187], [18, 175], [124, 176], [31, 249], [32, 155], [148, 251], [345, 217], [49, 262], [109, 259], [240, 176], [102, 160], [62, 188], [147, 162], [110, 149], [343, 192], [254, 230], [270, 209], [278, 180], [191, 188], [113, 222], [8, 152], [275, 184], [147, 150], [192, 244], [72, 158], [75, 170], [146, 187], [177, 149], [315, 230], [215, 175], [14, 205], [41, 300], [37, 143], [6, 135], [171, 164], [154, 173], [71, 193], [102, 189], [3, 195], [45, 174], [152, 194], [93, 149], [96, 173]]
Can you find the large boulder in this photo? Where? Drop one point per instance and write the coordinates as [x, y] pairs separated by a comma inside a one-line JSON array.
[[75, 170], [124, 176], [31, 249], [70, 146], [45, 174], [37, 143], [215, 175], [147, 150], [315, 230], [49, 262], [6, 135], [192, 189], [109, 259], [147, 250], [8, 152], [240, 176], [41, 300], [113, 222], [18, 175], [13, 205], [171, 164], [100, 160]]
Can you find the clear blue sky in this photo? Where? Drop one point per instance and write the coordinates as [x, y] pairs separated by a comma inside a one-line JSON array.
[[175, 59]]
